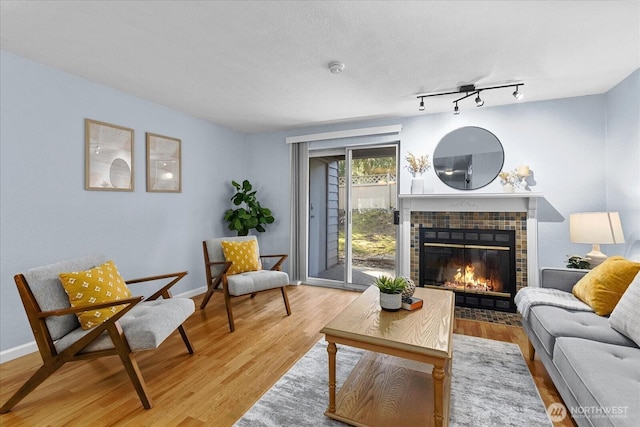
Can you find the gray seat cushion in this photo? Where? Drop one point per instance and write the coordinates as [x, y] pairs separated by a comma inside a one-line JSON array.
[[602, 377], [146, 326], [255, 281], [549, 323]]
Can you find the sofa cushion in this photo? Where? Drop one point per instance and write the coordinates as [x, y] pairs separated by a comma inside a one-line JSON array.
[[603, 286], [603, 377], [549, 323], [626, 316]]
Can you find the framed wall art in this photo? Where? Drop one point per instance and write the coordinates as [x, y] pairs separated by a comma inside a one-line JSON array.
[[164, 164], [108, 164]]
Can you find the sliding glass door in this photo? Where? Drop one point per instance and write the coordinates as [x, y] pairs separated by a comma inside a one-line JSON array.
[[352, 198]]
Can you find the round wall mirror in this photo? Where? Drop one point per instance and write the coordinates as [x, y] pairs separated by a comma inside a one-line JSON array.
[[468, 158], [120, 173]]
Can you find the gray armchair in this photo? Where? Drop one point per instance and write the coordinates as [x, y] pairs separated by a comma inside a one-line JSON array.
[[143, 324], [251, 282]]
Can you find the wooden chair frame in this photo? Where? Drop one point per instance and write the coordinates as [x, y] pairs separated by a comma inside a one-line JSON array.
[[52, 360], [220, 284]]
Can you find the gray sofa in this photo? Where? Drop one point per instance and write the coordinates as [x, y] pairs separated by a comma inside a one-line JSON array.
[[595, 369]]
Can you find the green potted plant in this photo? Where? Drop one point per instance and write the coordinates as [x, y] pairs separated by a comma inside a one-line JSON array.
[[250, 214], [390, 292], [576, 261]]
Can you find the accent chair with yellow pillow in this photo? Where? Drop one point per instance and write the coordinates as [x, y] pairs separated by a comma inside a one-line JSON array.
[[233, 266], [113, 322]]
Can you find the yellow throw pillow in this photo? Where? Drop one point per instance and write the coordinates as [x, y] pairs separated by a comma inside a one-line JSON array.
[[602, 287], [243, 255], [99, 284]]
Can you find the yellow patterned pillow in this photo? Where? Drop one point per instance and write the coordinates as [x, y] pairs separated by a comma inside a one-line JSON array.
[[602, 287], [243, 255], [99, 284]]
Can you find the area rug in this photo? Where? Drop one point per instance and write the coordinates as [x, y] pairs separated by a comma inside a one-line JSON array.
[[491, 386]]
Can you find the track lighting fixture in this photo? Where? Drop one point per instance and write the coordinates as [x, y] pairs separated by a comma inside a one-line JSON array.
[[470, 90], [479, 102], [517, 94]]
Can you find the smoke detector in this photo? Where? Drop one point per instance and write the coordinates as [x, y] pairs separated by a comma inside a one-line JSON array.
[[336, 67]]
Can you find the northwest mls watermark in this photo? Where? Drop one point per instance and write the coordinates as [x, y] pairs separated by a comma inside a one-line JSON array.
[[558, 412]]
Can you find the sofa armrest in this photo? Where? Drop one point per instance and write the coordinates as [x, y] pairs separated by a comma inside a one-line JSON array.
[[560, 278]]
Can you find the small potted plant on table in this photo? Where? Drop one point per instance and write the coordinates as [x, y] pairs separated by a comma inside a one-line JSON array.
[[390, 292]]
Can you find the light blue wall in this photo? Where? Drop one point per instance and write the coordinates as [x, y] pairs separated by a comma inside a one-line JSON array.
[[47, 216], [623, 156], [563, 142]]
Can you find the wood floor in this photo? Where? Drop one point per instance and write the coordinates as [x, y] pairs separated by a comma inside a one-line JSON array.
[[227, 374]]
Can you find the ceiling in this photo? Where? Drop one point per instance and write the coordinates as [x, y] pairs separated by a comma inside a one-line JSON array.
[[257, 66]]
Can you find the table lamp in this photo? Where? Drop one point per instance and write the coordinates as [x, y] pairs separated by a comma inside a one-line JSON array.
[[596, 228]]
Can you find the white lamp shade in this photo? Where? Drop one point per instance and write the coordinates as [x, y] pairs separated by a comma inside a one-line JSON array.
[[596, 227]]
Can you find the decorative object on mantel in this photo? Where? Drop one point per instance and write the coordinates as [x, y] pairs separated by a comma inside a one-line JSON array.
[[523, 172], [596, 228], [509, 180], [576, 261], [390, 292], [417, 166]]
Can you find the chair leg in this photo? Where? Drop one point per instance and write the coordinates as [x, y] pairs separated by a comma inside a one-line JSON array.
[[532, 351], [130, 365], [286, 300], [227, 302], [206, 298], [185, 338], [36, 379]]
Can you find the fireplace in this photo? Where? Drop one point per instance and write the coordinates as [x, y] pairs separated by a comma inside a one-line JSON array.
[[479, 265]]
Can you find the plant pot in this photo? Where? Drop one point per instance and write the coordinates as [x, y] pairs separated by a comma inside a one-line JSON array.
[[508, 188], [390, 302]]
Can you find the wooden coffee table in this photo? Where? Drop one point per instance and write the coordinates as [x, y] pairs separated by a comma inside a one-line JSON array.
[[392, 383]]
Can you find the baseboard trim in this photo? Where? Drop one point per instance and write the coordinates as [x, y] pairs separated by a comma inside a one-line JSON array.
[[32, 347]]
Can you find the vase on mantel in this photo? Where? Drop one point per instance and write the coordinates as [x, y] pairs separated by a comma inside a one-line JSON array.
[[417, 184], [508, 188], [428, 185]]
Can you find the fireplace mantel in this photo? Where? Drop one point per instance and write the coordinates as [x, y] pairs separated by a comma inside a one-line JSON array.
[[471, 202]]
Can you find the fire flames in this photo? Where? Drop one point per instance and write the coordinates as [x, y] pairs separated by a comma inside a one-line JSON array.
[[468, 280]]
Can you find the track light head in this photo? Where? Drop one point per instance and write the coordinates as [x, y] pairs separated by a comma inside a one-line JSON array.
[[479, 102], [456, 110], [517, 94], [421, 107]]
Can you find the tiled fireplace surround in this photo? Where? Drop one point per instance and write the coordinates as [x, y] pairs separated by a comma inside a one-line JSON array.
[[516, 211], [472, 220]]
